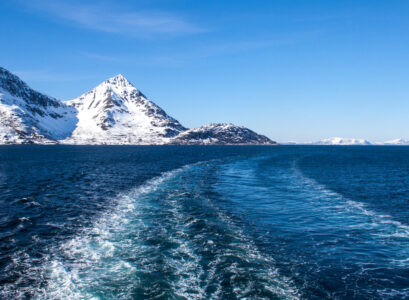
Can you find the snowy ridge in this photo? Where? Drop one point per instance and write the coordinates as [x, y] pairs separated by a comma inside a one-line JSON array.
[[221, 134], [27, 116], [113, 113]]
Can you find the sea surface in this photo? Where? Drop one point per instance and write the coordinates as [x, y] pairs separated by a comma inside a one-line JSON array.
[[180, 222]]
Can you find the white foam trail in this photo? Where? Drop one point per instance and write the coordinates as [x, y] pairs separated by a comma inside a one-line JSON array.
[[91, 256], [184, 259], [258, 269]]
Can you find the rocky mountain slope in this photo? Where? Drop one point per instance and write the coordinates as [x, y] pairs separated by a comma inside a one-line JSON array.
[[220, 134], [27, 116], [114, 112]]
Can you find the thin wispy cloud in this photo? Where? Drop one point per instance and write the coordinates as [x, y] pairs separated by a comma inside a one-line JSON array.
[[113, 19], [177, 57]]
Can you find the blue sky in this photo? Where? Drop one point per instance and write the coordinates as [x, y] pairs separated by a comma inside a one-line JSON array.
[[293, 70]]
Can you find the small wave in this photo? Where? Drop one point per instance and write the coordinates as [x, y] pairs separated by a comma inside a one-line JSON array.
[[391, 227], [394, 293], [389, 236]]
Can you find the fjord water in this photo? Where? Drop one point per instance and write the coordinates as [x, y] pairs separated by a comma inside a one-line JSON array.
[[179, 222]]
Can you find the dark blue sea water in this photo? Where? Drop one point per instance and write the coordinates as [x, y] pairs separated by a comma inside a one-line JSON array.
[[283, 222]]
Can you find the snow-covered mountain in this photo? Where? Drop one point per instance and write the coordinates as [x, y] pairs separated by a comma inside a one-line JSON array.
[[114, 112], [220, 134], [397, 142], [350, 142], [333, 141], [27, 116], [342, 141]]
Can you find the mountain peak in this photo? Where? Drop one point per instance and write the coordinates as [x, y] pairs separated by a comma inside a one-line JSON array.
[[119, 81], [116, 88], [118, 77]]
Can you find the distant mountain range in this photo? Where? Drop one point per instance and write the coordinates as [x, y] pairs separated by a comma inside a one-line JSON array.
[[113, 113], [342, 141], [396, 142], [337, 141]]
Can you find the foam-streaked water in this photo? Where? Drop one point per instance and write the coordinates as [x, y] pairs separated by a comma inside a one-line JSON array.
[[204, 222]]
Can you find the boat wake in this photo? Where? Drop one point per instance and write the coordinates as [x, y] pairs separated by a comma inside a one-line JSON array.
[[165, 239]]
